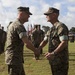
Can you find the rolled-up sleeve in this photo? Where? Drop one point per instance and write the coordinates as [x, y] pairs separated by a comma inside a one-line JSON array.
[[21, 31], [22, 35], [63, 33], [47, 35], [63, 37]]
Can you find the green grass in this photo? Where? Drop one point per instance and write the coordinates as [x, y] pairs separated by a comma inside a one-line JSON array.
[[40, 67]]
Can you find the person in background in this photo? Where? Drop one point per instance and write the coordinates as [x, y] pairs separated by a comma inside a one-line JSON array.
[[36, 37], [0, 26], [41, 36], [1, 33], [57, 37], [2, 39], [16, 37]]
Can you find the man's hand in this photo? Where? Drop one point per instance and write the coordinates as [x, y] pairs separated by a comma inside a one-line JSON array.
[[49, 56], [37, 52]]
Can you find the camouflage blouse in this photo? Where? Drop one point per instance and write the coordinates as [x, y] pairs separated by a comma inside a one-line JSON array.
[[14, 44], [56, 34]]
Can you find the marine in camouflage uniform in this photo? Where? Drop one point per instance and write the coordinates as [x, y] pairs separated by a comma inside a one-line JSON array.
[[2, 40], [14, 47], [16, 37], [59, 63], [57, 37], [1, 33], [37, 37]]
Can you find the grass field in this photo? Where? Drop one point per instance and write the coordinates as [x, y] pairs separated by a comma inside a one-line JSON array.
[[40, 67]]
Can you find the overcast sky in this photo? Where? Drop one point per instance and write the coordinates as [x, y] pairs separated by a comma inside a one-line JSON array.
[[8, 11]]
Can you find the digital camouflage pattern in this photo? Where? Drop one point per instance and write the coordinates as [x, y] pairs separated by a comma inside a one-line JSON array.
[[59, 63], [14, 44]]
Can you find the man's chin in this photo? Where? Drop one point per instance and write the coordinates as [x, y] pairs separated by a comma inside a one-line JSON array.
[[48, 20]]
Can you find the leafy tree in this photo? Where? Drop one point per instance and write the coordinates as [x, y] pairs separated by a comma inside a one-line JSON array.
[[45, 28], [72, 30]]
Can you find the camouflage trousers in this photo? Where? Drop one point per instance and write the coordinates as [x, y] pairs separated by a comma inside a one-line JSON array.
[[60, 69], [16, 70]]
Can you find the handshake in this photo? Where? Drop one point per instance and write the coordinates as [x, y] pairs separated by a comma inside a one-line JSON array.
[[37, 52], [48, 55]]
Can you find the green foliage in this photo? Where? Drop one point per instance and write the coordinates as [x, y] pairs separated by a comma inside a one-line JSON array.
[[72, 29], [39, 67]]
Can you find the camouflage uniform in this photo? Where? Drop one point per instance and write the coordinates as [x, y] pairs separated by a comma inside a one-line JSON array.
[[59, 64], [1, 33], [14, 48], [2, 40], [37, 37]]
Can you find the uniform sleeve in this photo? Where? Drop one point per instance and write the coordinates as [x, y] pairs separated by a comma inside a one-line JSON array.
[[21, 31], [64, 37], [63, 32], [47, 35]]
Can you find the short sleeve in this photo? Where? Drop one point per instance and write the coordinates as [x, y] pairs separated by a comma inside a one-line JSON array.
[[63, 37], [47, 35], [63, 32], [21, 31]]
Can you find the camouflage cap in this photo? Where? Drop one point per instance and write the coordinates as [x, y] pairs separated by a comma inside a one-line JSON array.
[[51, 10], [26, 9]]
